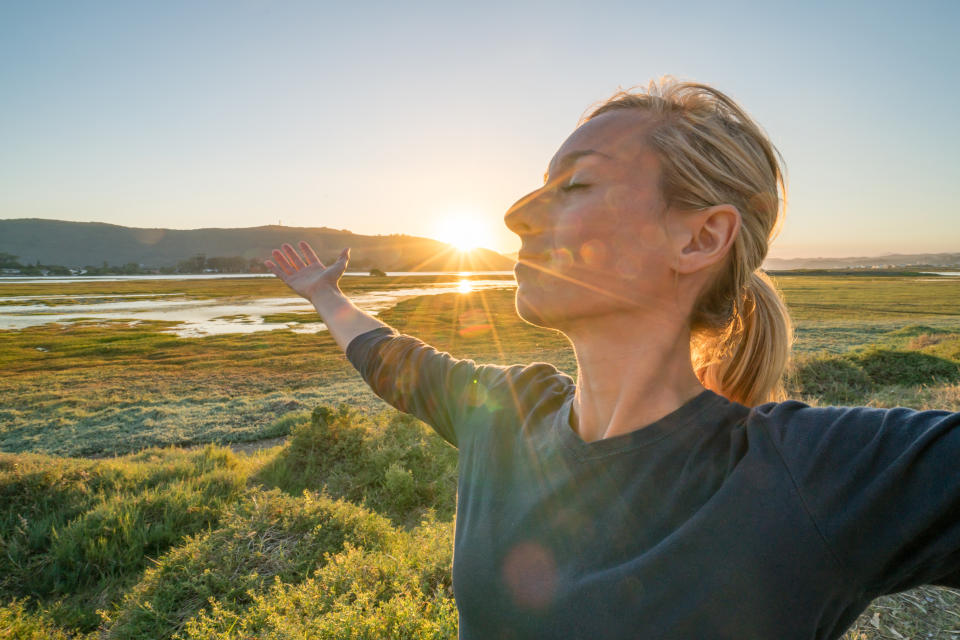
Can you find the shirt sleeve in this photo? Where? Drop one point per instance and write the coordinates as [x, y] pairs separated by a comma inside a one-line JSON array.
[[436, 387], [883, 486]]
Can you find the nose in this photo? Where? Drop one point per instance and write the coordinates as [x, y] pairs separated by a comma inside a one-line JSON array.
[[526, 215]]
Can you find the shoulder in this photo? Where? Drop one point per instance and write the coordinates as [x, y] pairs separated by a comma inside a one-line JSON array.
[[524, 379], [521, 387], [794, 423], [827, 442], [877, 482]]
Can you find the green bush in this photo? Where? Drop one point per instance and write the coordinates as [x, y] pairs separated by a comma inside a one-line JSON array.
[[17, 621], [283, 425], [888, 367], [401, 590], [267, 535], [82, 530], [834, 379], [390, 463], [848, 379], [114, 536]]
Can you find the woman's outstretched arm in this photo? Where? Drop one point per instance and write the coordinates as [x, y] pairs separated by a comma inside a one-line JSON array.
[[319, 284], [408, 374]]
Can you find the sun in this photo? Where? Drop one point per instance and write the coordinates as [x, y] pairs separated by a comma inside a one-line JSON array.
[[464, 231]]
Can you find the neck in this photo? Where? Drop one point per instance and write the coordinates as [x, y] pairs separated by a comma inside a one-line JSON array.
[[631, 371]]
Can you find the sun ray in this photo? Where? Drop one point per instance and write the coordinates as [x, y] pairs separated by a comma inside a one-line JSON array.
[[585, 285], [439, 254], [493, 325]]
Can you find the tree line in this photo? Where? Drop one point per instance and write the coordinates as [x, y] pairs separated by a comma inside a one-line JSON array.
[[197, 264]]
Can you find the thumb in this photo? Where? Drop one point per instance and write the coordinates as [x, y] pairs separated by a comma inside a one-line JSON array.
[[341, 264]]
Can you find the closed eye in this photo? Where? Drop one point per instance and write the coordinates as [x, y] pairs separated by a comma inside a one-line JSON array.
[[572, 186]]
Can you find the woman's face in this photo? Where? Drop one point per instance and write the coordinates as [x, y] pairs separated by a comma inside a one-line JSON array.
[[593, 240]]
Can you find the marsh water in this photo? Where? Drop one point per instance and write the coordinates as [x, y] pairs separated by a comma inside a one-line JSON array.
[[203, 317]]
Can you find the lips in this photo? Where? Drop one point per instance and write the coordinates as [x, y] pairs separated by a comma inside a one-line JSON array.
[[532, 257]]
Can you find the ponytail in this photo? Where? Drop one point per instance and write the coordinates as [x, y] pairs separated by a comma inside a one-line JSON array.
[[745, 358]]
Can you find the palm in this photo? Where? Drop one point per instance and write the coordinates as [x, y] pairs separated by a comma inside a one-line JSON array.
[[306, 275]]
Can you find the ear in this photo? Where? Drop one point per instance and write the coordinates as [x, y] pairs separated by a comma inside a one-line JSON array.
[[703, 237]]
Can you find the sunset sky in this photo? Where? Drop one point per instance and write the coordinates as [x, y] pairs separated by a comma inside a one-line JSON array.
[[393, 117]]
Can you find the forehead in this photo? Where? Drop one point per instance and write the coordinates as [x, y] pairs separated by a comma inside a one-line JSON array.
[[619, 134]]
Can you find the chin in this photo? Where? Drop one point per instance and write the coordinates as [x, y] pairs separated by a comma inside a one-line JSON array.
[[535, 312], [527, 314]]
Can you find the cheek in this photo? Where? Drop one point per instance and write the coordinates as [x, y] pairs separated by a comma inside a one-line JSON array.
[[595, 254], [585, 240], [621, 200]]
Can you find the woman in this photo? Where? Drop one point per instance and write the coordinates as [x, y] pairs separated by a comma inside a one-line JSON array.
[[671, 491]]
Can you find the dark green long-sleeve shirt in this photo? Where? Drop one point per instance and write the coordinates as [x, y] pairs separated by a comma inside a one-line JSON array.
[[716, 521]]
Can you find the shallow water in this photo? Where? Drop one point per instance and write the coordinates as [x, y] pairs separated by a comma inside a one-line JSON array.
[[219, 276], [210, 316]]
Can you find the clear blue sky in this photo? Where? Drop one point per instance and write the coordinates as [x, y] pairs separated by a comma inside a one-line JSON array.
[[385, 118]]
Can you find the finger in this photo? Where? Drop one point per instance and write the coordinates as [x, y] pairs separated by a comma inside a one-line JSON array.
[[294, 256], [341, 264], [309, 254], [282, 262], [274, 268]]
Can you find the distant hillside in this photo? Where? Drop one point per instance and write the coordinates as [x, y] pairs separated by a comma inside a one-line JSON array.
[[889, 260], [79, 244]]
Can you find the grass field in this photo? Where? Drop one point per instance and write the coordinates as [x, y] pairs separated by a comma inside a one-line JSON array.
[[110, 526]]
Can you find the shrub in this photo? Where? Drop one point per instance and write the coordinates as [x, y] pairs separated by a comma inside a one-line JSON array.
[[834, 379], [401, 590], [16, 621], [389, 462], [885, 366], [83, 529], [116, 534], [268, 535]]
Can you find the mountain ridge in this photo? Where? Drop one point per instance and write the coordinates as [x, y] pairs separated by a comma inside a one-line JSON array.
[[80, 244]]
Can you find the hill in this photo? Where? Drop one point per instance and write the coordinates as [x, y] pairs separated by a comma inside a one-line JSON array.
[[79, 244], [934, 260]]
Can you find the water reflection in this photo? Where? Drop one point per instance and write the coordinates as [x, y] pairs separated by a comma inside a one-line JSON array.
[[211, 316]]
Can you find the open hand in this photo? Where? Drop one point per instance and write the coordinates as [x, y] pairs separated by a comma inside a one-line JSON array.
[[307, 276]]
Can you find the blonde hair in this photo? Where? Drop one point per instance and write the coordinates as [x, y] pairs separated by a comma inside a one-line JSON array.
[[711, 152]]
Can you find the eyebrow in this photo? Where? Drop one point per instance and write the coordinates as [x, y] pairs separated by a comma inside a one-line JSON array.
[[569, 159]]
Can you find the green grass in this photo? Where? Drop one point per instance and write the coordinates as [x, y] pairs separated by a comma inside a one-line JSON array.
[[267, 536], [393, 466], [21, 622], [149, 544], [298, 318], [76, 532], [345, 530]]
